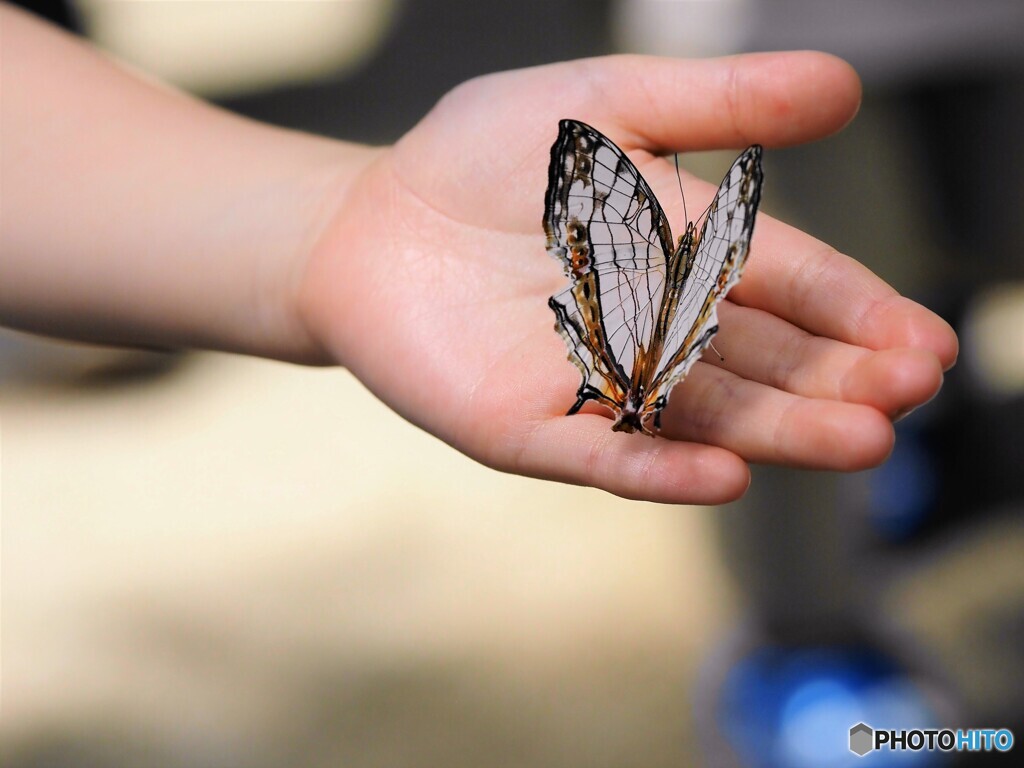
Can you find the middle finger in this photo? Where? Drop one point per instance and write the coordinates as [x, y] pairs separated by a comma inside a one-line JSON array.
[[762, 347]]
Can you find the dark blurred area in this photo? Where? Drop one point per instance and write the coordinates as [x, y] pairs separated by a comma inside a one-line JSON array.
[[433, 46], [896, 597], [893, 597]]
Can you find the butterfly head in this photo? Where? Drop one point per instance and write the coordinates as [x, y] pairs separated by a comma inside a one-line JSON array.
[[686, 239]]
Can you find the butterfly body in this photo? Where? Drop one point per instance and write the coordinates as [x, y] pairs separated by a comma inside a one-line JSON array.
[[638, 312]]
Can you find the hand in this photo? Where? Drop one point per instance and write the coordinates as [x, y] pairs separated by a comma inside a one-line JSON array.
[[431, 285]]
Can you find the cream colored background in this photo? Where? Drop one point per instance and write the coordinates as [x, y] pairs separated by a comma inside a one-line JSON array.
[[210, 555]]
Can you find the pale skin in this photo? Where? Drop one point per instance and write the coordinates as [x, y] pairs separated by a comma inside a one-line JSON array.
[[133, 214]]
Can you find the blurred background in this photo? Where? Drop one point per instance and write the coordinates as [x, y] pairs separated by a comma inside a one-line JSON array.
[[215, 561]]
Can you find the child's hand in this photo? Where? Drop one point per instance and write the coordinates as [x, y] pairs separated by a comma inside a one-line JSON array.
[[140, 216], [432, 282]]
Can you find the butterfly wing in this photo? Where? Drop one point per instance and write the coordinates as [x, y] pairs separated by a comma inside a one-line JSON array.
[[604, 224], [712, 267]]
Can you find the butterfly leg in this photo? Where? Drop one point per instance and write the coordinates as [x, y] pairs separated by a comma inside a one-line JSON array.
[[589, 393], [586, 393], [577, 405], [659, 406]]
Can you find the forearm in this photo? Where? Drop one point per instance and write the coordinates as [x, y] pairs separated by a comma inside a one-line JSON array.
[[135, 214]]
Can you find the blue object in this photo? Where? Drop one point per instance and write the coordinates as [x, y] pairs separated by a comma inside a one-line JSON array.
[[793, 708], [902, 491]]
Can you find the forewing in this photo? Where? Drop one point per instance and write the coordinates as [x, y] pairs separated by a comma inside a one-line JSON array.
[[716, 265], [604, 224]]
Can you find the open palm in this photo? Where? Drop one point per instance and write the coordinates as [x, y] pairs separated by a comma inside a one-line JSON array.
[[431, 285]]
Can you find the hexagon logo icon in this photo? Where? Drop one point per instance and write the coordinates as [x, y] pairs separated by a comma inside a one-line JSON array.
[[861, 739]]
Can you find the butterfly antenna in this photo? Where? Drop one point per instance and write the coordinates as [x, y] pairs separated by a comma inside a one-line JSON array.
[[720, 355], [679, 178]]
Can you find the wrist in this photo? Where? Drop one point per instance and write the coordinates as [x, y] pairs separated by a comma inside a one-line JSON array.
[[331, 275], [325, 184]]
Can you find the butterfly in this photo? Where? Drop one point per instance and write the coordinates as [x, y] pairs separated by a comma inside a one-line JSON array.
[[639, 311]]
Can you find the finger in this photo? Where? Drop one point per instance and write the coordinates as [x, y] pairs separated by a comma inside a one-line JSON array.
[[764, 424], [666, 105], [764, 348], [802, 280], [583, 450]]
